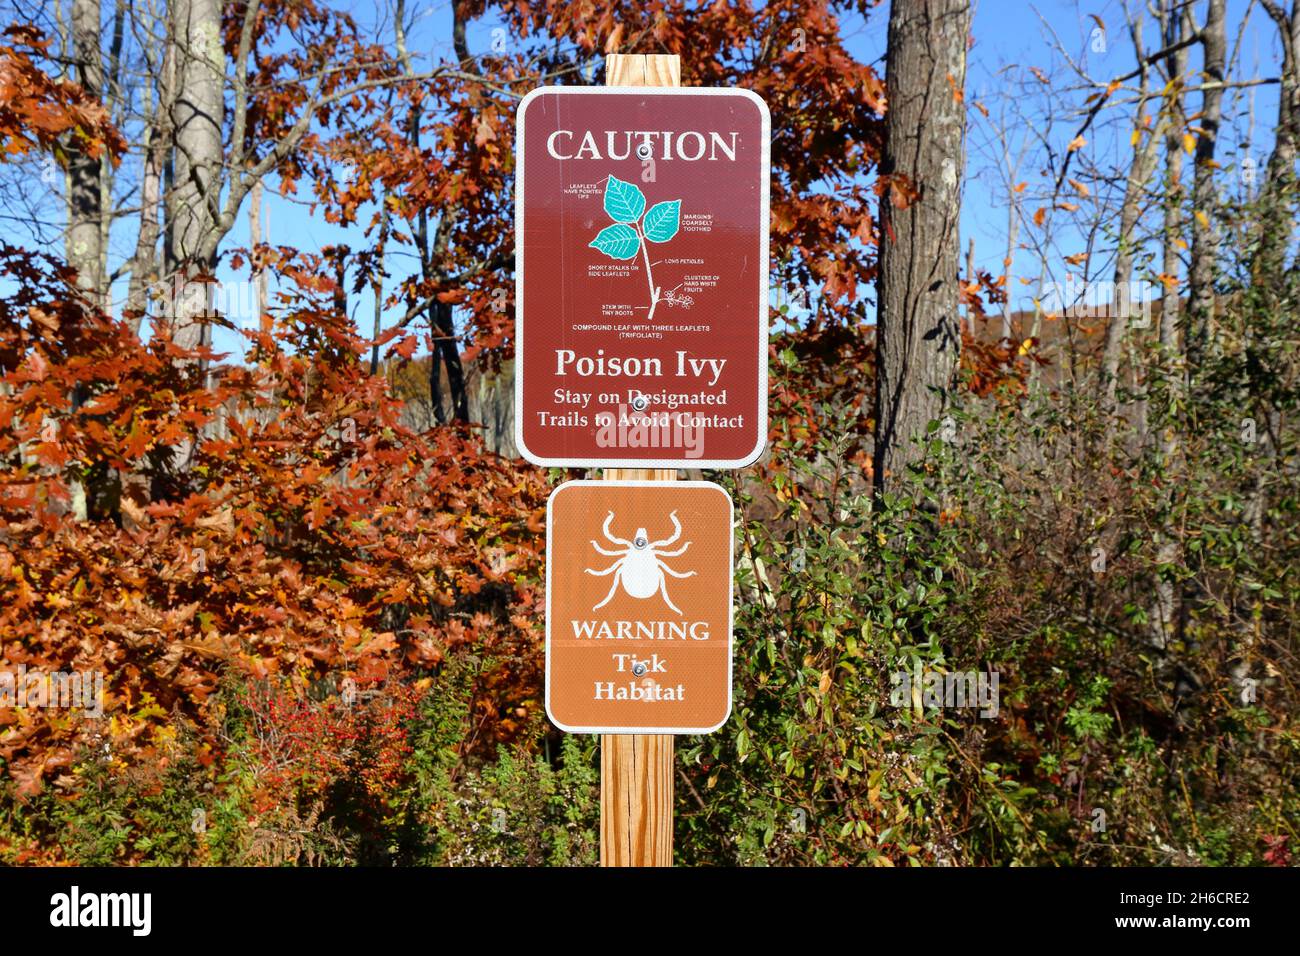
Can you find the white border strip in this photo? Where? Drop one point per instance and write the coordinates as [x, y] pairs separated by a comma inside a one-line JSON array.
[[731, 605], [765, 187]]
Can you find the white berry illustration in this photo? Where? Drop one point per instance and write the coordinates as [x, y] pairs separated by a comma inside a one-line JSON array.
[[639, 566]]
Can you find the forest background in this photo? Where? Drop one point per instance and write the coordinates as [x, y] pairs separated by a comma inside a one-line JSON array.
[[256, 316]]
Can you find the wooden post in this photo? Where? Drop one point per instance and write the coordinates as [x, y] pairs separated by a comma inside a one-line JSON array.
[[636, 770]]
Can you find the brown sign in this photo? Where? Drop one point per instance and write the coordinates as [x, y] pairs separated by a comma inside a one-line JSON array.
[[641, 222], [638, 607]]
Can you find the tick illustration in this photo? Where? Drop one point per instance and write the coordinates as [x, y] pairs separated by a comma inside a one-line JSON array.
[[639, 566]]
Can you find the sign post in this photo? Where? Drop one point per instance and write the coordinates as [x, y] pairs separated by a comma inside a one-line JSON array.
[[636, 770], [641, 347]]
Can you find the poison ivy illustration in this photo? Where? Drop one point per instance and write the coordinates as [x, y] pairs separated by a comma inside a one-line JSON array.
[[625, 203]]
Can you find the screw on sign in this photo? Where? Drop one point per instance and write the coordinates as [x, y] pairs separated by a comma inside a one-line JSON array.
[[638, 645]]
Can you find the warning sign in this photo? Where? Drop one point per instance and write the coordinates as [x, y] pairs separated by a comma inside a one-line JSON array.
[[641, 223], [638, 607]]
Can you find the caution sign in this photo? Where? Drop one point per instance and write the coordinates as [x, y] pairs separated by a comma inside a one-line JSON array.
[[638, 607], [641, 242]]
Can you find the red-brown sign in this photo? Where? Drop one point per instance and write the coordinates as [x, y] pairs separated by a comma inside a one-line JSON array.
[[638, 607], [641, 222]]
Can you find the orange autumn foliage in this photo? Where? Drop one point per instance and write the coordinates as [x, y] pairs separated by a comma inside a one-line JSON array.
[[309, 533]]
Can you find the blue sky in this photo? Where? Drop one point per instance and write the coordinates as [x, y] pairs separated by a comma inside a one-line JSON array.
[[1009, 37]]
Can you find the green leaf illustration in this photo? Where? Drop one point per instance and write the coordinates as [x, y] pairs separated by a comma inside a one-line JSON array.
[[662, 221], [617, 241], [623, 201]]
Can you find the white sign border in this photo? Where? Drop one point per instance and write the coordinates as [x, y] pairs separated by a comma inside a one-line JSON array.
[[731, 606], [765, 177]]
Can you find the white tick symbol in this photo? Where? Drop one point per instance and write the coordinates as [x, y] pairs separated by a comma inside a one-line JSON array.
[[639, 567]]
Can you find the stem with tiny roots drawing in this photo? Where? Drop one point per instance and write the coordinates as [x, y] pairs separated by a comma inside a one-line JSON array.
[[654, 293]]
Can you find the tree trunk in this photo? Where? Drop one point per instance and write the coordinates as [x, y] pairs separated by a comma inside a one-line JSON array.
[[1121, 312], [85, 197], [144, 263], [1278, 193], [86, 206], [1200, 290], [1013, 236], [917, 331], [255, 239], [445, 351], [197, 116], [1164, 607], [445, 339], [377, 283], [1276, 217], [112, 97]]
